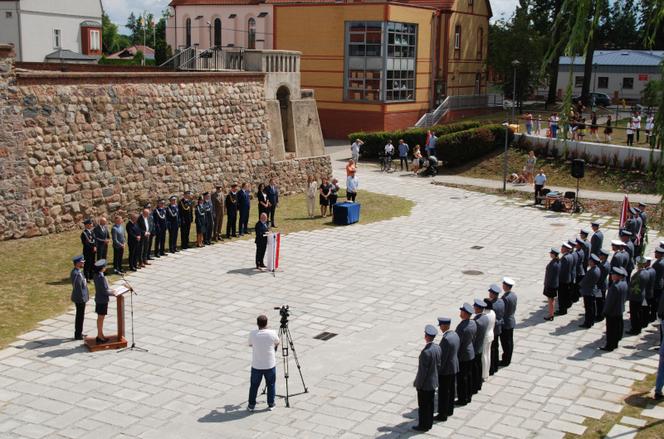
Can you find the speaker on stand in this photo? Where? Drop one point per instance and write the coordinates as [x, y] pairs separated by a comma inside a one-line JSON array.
[[578, 172]]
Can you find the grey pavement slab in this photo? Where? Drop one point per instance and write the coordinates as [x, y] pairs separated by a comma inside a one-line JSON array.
[[374, 285]]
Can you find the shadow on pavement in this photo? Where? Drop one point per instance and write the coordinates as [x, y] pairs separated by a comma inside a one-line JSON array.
[[246, 271], [535, 318], [229, 413], [401, 430], [45, 343], [57, 353]]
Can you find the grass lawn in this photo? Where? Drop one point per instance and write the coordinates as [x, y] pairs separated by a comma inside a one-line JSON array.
[[35, 272], [557, 172]]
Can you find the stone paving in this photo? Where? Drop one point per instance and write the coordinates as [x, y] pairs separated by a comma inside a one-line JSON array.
[[374, 285]]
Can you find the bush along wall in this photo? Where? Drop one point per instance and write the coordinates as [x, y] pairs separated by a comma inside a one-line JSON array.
[[458, 148], [374, 142]]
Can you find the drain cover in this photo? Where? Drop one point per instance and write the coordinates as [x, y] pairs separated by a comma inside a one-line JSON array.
[[455, 198], [557, 225], [325, 336], [477, 247], [472, 272]]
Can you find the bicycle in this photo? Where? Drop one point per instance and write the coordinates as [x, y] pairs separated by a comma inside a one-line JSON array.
[[386, 163]]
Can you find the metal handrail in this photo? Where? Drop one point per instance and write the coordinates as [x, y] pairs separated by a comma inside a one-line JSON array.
[[178, 53], [430, 118]]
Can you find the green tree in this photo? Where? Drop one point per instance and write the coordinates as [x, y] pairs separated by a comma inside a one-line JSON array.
[[109, 35], [162, 49]]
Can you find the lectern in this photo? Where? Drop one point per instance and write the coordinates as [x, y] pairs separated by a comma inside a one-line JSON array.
[[114, 341]]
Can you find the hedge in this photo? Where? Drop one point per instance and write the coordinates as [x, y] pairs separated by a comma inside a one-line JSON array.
[[374, 142], [461, 147]]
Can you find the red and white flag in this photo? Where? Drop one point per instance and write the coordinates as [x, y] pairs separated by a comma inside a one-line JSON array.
[[273, 247], [624, 212]]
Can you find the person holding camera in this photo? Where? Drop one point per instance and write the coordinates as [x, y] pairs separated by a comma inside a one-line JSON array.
[[263, 363]]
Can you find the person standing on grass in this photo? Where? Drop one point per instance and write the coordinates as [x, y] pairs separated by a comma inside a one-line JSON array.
[[263, 203], [553, 125], [593, 125], [119, 244], [325, 190], [551, 282], [608, 129], [79, 294], [650, 125], [630, 133], [102, 238], [201, 222], [173, 223], [89, 247], [244, 206], [185, 208], [334, 193], [312, 188], [351, 188], [263, 362], [540, 181], [403, 154], [636, 122], [272, 191]]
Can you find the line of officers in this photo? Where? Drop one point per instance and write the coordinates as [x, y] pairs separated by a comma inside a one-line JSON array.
[[465, 356]]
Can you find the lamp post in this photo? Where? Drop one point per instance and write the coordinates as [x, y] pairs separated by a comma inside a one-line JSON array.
[[515, 64]]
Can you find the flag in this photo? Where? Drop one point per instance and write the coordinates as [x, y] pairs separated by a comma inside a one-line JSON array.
[[624, 210], [273, 247]]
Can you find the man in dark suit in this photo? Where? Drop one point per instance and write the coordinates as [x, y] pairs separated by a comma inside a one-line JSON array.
[[597, 240], [173, 223], [482, 322], [498, 307], [466, 331], [261, 229], [509, 322], [209, 219], [160, 227], [244, 205], [102, 238], [134, 241], [449, 367], [589, 291], [231, 211], [146, 225], [79, 295], [658, 287], [614, 307], [273, 197], [89, 248], [218, 207], [185, 207], [426, 380]]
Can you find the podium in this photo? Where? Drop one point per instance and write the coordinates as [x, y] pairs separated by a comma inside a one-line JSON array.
[[117, 341]]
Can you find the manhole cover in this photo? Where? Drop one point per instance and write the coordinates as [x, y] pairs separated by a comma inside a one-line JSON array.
[[325, 336], [557, 225], [455, 198], [477, 247], [472, 272]]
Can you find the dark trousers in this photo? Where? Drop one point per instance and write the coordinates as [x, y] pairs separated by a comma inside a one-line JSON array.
[[350, 196], [173, 238], [145, 247], [134, 253], [209, 225], [638, 132], [564, 300], [635, 316], [599, 307], [88, 267], [184, 234], [463, 381], [270, 383], [645, 315], [613, 330], [589, 307], [160, 243], [425, 408], [231, 224], [657, 296], [118, 253], [270, 214], [403, 160], [494, 355], [538, 192], [576, 293], [476, 377], [102, 251], [244, 221], [507, 343], [78, 324], [260, 254], [446, 395], [630, 139]]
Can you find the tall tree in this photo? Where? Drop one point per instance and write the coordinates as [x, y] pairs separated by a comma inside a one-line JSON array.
[[544, 14], [109, 35]]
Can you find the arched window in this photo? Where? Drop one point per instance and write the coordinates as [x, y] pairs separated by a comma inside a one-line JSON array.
[[480, 43], [187, 27], [251, 28], [217, 32]]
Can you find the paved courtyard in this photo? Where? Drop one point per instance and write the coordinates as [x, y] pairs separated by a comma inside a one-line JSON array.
[[376, 286]]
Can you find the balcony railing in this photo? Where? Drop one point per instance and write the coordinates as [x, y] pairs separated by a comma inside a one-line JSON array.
[[230, 58]]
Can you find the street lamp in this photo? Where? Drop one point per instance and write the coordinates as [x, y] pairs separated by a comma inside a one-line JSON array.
[[515, 64]]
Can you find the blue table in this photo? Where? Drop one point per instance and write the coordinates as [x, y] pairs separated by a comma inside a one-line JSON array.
[[346, 213]]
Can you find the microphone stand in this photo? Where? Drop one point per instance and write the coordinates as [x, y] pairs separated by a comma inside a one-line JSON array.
[[133, 346]]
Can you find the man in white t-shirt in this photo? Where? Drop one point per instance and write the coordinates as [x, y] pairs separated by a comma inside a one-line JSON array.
[[355, 150], [263, 362], [540, 181]]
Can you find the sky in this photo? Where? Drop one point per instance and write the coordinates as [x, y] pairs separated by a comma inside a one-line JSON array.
[[119, 10]]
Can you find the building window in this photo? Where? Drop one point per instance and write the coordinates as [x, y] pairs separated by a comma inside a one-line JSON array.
[[457, 37], [57, 38], [8, 14], [603, 82], [380, 61], [217, 32], [187, 32], [578, 81], [251, 26], [628, 83], [94, 40], [480, 43]]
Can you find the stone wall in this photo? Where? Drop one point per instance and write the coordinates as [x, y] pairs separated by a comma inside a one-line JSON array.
[[85, 144]]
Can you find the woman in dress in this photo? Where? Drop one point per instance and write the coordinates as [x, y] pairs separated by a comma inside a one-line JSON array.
[[608, 129], [417, 157], [201, 222], [551, 281], [529, 169], [102, 294], [312, 188], [263, 203], [325, 189]]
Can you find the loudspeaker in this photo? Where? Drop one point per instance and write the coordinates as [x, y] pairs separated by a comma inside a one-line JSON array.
[[578, 168]]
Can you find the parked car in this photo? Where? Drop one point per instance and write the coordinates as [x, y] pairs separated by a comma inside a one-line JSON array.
[[601, 99]]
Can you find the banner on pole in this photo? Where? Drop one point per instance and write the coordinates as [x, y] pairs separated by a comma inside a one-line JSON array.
[[273, 247], [624, 210]]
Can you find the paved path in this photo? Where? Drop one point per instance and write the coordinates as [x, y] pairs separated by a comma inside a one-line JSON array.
[[375, 286]]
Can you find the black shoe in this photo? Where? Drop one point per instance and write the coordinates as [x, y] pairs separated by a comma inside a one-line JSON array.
[[548, 318], [100, 340], [440, 418], [504, 364], [78, 337], [632, 332], [659, 396], [605, 348], [460, 403], [584, 326], [133, 269], [418, 428]]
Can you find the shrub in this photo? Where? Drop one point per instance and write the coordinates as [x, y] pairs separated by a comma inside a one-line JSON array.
[[615, 161], [461, 147], [628, 163], [604, 160], [374, 142], [638, 164]]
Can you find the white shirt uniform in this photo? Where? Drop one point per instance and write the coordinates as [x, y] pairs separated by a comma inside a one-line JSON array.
[[263, 341], [488, 338]]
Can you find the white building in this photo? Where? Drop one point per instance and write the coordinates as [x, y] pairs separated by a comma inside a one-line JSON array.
[[52, 30], [621, 74]]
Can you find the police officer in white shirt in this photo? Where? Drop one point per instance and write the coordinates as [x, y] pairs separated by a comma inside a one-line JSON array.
[[540, 181], [263, 362]]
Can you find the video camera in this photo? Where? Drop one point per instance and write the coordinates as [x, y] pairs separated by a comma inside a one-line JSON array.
[[284, 313]]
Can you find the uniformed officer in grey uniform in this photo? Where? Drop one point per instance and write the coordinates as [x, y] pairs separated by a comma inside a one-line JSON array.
[[603, 283], [449, 367], [590, 291], [426, 380], [626, 238], [638, 292], [79, 294], [631, 224], [650, 292], [498, 307], [597, 240], [509, 322], [581, 263], [636, 237], [466, 330], [620, 257], [551, 281], [565, 279], [574, 290], [614, 307], [583, 234], [482, 322], [658, 286]]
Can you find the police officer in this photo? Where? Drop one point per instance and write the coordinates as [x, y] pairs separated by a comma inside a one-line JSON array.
[[574, 290], [426, 380], [498, 307], [173, 223], [509, 322], [638, 292], [583, 234], [551, 281], [482, 322], [589, 291], [449, 367], [79, 294], [208, 209], [89, 248], [102, 294], [186, 210], [466, 331], [597, 240], [650, 292], [565, 283], [620, 256], [160, 227], [628, 245], [231, 212], [602, 284], [581, 263], [614, 307], [658, 285]]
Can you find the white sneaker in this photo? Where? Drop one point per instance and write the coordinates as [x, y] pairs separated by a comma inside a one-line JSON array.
[[271, 407], [251, 409]]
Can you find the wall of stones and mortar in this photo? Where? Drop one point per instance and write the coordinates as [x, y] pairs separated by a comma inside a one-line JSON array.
[[87, 144]]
